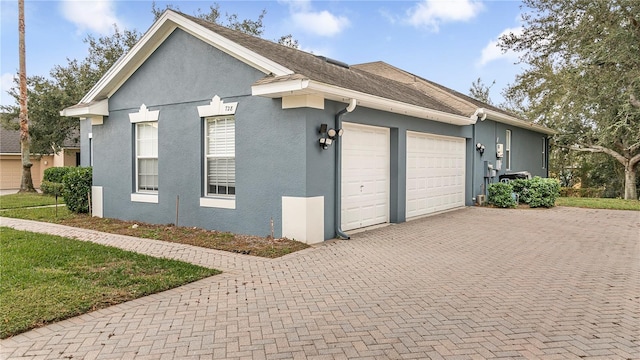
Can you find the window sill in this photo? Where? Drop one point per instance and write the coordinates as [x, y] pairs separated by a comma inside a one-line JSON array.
[[218, 203], [145, 198]]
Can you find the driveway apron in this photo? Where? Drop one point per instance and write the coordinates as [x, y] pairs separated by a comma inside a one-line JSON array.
[[471, 283]]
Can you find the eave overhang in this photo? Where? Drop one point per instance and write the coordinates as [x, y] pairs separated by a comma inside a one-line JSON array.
[[89, 110], [299, 85], [513, 121]]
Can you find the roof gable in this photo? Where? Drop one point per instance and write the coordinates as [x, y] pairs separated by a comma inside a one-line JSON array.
[[155, 36]]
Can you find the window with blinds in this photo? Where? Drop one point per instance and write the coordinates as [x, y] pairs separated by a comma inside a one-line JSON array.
[[147, 156], [220, 156]]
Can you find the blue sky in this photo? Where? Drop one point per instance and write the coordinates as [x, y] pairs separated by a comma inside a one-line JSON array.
[[451, 42]]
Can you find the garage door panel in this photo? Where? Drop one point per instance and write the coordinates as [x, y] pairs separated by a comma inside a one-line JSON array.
[[365, 176], [435, 173]]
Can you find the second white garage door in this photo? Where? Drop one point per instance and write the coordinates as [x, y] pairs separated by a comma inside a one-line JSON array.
[[435, 173], [365, 176]]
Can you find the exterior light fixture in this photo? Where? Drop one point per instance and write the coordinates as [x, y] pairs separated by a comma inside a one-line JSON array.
[[328, 136], [480, 148]]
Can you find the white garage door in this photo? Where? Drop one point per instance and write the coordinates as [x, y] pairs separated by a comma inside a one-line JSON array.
[[365, 176], [435, 173]]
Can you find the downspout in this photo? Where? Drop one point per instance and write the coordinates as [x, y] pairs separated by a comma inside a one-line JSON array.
[[479, 114], [338, 171]]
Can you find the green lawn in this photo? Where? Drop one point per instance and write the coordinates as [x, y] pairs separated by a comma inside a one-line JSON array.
[[598, 203], [14, 201], [46, 278]]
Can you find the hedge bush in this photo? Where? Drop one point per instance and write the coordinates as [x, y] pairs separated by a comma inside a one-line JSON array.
[[537, 192], [55, 174], [77, 186], [543, 192], [501, 195], [52, 188]]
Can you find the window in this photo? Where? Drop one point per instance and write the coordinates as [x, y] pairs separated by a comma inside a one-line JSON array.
[[507, 150], [147, 156], [544, 153], [220, 156]]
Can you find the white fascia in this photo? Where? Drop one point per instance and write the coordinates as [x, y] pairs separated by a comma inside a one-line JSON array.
[[305, 86], [155, 36], [510, 120], [92, 109]]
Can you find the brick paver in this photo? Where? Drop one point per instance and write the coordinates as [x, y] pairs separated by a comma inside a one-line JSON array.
[[469, 284]]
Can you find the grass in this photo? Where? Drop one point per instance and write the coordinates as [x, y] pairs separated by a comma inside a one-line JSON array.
[[237, 243], [14, 201], [598, 203], [73, 277]]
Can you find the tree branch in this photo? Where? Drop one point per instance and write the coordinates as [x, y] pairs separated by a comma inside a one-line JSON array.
[[635, 102], [601, 149], [633, 148], [634, 161]]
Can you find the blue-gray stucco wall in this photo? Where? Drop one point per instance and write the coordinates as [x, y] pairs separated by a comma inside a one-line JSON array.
[[526, 152], [277, 151]]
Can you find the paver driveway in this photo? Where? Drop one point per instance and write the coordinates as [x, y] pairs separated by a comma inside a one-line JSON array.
[[473, 283]]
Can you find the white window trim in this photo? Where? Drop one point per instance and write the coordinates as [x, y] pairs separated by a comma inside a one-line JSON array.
[[222, 203], [216, 107], [143, 115], [206, 166], [544, 152], [507, 149], [144, 198]]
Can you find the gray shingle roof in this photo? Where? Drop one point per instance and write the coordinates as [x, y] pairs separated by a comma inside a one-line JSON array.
[[318, 69], [9, 141]]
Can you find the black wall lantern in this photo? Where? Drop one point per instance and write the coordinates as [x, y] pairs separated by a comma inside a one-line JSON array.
[[328, 136]]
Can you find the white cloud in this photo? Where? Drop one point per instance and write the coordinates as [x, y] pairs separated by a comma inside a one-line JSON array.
[[492, 52], [321, 23], [96, 16], [432, 13], [6, 83]]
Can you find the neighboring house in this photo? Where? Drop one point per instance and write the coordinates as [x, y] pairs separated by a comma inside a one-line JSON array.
[[11, 161], [236, 133]]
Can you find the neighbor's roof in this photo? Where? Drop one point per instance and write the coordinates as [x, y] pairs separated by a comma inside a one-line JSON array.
[[10, 141]]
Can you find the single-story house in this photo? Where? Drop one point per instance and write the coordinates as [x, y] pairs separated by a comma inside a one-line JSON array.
[[11, 160], [236, 133]]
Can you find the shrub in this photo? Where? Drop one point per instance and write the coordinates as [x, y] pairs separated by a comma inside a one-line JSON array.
[[543, 192], [77, 186], [55, 174], [521, 187], [501, 195], [52, 188]]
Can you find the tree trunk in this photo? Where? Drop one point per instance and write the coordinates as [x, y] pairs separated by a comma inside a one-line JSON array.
[[26, 185], [630, 192]]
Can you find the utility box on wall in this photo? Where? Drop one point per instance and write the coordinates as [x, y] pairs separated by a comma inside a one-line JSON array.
[[499, 151]]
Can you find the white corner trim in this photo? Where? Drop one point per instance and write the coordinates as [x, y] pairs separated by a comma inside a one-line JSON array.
[[145, 198], [144, 115], [303, 218], [218, 203], [96, 201], [217, 107]]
